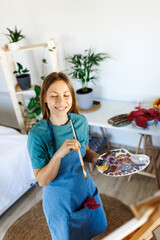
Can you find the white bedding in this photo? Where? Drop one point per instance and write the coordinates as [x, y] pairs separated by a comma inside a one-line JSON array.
[[16, 174]]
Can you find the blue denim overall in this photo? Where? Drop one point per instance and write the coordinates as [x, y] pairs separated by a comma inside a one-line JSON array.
[[63, 197]]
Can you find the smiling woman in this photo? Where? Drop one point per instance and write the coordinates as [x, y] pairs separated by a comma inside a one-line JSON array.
[[55, 145], [57, 90], [59, 101]]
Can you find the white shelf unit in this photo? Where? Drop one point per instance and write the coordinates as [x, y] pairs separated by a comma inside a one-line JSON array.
[[16, 93]]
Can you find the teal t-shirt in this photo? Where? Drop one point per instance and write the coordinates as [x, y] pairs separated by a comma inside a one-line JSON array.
[[40, 144]]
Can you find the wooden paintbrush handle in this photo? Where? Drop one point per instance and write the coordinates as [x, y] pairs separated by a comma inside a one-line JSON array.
[[79, 153]]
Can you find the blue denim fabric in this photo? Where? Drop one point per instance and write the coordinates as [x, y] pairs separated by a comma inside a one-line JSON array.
[[63, 197]]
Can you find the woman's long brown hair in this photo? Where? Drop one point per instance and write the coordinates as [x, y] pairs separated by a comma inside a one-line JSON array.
[[48, 81]]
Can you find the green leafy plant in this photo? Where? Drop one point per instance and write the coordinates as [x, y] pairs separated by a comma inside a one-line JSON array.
[[84, 67], [14, 35], [20, 70], [34, 107]]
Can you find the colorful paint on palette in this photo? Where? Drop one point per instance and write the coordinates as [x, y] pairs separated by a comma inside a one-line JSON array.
[[120, 162]]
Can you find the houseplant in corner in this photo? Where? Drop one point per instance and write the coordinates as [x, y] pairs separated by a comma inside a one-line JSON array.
[[84, 68], [23, 78], [14, 36]]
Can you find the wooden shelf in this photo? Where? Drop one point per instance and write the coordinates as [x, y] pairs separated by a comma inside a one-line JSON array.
[[20, 91], [26, 48], [16, 93]]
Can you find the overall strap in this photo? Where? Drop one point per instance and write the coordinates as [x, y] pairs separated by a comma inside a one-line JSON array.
[[52, 134]]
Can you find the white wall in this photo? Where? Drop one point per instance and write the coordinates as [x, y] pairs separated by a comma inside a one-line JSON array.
[[129, 30]]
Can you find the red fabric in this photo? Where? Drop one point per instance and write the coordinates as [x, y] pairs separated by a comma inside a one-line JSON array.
[[91, 203], [142, 115], [155, 113]]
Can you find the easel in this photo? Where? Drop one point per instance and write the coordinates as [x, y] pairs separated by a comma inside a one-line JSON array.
[[147, 219]]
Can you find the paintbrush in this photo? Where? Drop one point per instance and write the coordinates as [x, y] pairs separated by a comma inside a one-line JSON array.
[[79, 153]]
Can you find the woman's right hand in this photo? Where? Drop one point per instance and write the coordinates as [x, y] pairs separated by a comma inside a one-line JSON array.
[[66, 147], [47, 173]]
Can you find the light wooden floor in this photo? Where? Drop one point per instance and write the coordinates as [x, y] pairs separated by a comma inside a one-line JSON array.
[[128, 192]]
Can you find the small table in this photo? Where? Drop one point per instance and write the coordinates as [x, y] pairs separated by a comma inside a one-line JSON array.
[[110, 108]]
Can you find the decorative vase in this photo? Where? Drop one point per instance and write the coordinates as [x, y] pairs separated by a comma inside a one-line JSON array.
[[85, 99], [13, 46], [24, 81]]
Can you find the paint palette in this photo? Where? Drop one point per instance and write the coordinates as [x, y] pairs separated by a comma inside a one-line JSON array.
[[120, 162]]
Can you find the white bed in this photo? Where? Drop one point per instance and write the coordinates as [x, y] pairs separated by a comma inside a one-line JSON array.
[[16, 174]]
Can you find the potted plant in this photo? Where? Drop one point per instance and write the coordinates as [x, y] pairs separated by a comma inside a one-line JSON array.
[[14, 37], [23, 78], [34, 111], [84, 68], [34, 107]]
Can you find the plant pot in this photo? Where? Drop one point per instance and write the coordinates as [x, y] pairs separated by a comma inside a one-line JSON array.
[[13, 46], [85, 99], [24, 81]]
